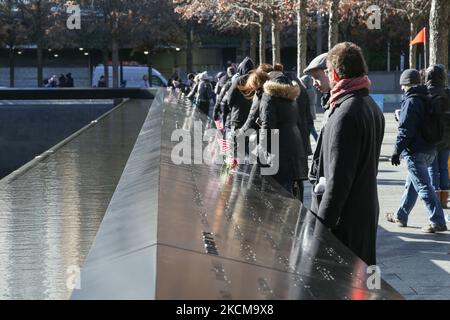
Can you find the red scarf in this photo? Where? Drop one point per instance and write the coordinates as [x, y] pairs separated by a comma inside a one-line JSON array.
[[346, 86]]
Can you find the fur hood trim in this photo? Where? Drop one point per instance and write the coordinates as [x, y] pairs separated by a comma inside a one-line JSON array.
[[282, 90]]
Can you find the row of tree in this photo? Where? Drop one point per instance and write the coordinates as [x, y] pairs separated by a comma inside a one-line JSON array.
[[109, 25], [257, 17], [106, 25]]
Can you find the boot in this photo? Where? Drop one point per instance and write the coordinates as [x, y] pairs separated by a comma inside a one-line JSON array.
[[444, 199]]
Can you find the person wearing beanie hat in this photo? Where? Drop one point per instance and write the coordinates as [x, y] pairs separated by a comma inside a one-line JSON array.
[[436, 82], [410, 77], [418, 154]]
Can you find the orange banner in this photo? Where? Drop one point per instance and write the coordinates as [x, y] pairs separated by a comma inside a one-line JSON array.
[[421, 37]]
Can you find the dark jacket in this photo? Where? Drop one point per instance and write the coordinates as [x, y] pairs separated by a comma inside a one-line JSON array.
[[351, 147], [279, 110], [412, 114], [221, 106], [238, 104], [221, 83], [253, 115], [204, 95], [305, 118], [435, 82], [70, 81]]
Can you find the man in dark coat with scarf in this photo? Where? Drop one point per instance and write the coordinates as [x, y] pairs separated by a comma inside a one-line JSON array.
[[350, 153]]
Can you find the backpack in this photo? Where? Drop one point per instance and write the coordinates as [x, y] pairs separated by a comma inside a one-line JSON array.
[[433, 127]]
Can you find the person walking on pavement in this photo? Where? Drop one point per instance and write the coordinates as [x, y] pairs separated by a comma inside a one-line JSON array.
[[350, 152], [435, 80], [418, 154]]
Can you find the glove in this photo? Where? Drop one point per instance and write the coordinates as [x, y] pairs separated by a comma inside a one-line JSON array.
[[395, 159]]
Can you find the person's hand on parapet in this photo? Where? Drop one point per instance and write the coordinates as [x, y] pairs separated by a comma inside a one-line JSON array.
[[395, 159]]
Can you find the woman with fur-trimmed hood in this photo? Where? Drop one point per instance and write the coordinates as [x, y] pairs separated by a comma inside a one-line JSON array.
[[278, 110]]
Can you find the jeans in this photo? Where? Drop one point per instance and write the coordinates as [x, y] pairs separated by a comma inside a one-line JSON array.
[[439, 171], [418, 182]]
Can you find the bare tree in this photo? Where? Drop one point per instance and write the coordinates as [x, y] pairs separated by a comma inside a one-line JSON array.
[[12, 32], [302, 45], [333, 31], [417, 12], [39, 19], [439, 26]]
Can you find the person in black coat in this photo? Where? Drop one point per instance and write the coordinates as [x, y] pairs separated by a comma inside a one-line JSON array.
[[304, 120], [237, 103], [102, 82], [435, 80], [279, 110], [62, 81], [349, 154], [69, 81]]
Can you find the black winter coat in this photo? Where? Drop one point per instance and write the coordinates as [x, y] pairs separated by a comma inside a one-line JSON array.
[[436, 84], [305, 119], [238, 104], [221, 106], [278, 110], [351, 147], [253, 115]]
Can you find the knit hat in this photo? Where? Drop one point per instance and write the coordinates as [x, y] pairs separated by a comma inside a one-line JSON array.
[[410, 77]]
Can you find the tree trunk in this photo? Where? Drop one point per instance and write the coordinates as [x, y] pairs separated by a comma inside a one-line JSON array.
[[11, 66], [262, 39], [301, 37], [105, 65], [439, 25], [189, 56], [333, 31], [276, 45], [242, 49], [319, 34], [40, 63], [253, 35], [121, 71], [412, 49], [115, 62]]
